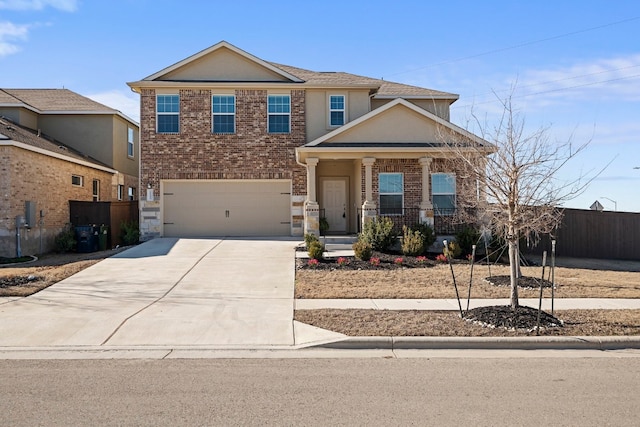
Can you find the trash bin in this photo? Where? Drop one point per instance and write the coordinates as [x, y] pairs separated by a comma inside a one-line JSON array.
[[102, 239], [87, 238]]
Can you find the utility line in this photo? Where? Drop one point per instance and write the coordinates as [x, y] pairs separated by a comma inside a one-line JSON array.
[[529, 43]]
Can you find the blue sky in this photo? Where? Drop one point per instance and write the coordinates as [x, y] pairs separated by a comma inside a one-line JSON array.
[[575, 64]]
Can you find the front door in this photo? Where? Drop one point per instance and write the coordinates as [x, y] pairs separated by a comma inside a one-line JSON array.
[[334, 200]]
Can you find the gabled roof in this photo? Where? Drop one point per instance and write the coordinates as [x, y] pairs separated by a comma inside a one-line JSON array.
[[389, 106], [286, 74], [13, 134], [222, 45]]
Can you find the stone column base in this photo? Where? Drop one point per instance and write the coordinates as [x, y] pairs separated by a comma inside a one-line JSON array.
[[369, 211], [426, 217], [312, 218]]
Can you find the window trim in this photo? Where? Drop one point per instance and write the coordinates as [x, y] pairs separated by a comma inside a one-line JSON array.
[[95, 190], [120, 191], [214, 114], [81, 179], [381, 193], [130, 142], [270, 114], [164, 113], [343, 110], [454, 194]]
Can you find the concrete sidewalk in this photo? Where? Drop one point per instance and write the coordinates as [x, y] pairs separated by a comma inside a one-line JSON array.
[[452, 304]]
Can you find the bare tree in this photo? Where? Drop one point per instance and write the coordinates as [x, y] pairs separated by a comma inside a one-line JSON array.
[[513, 182]]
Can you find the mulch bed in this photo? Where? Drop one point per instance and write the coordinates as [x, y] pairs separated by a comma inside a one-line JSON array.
[[523, 282], [386, 262], [6, 282], [503, 316]]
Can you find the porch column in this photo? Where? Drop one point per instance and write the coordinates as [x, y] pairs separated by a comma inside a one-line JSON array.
[[369, 208], [426, 206], [311, 207]]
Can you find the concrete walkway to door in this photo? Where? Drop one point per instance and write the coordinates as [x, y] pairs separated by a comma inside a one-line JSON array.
[[225, 293]]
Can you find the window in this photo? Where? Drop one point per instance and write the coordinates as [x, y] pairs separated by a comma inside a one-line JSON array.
[[96, 190], [443, 193], [77, 180], [336, 110], [279, 113], [130, 142], [120, 191], [224, 114], [132, 193], [391, 193], [168, 109]]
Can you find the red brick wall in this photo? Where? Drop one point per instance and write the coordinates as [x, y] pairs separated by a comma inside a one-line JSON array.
[[25, 175], [412, 175], [196, 153]]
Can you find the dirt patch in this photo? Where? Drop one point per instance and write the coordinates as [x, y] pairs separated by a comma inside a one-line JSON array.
[[449, 323], [28, 278]]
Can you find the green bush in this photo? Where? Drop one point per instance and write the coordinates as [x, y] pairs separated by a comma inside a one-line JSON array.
[[466, 238], [308, 239], [362, 250], [412, 242], [379, 234], [129, 232], [316, 250], [428, 235], [324, 226], [65, 241]]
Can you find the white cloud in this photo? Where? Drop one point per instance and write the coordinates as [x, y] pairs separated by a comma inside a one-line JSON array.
[[65, 5], [127, 103], [9, 34]]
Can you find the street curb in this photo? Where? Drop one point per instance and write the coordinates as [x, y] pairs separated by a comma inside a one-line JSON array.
[[487, 343]]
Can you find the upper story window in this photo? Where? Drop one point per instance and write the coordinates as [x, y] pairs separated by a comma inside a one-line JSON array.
[[224, 113], [130, 142], [77, 180], [120, 191], [168, 113], [443, 193], [96, 190], [391, 191], [336, 110], [279, 114], [131, 193]]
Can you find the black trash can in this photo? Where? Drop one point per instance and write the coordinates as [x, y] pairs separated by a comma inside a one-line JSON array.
[[87, 238], [102, 239]]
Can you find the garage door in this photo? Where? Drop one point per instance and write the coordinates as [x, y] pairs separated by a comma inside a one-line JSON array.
[[226, 208]]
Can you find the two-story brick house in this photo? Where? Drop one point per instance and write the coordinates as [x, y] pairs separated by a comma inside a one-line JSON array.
[[234, 145]]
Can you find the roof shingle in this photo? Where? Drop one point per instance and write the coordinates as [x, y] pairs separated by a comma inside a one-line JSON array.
[[52, 100]]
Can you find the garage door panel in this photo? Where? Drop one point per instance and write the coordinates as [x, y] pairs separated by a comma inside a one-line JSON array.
[[226, 208]]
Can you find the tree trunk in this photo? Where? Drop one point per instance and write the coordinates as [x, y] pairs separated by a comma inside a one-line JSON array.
[[513, 264]]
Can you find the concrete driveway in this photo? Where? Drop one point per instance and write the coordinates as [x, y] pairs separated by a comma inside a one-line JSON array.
[[227, 293]]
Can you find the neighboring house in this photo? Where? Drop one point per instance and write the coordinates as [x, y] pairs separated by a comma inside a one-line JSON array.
[[38, 177], [83, 124], [233, 145]]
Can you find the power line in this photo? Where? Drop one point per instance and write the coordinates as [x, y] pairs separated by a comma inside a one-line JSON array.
[[529, 43]]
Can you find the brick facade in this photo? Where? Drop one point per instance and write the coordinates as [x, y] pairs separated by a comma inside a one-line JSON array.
[[197, 153], [29, 176]]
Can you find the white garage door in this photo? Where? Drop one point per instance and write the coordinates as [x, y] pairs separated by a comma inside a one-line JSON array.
[[226, 208]]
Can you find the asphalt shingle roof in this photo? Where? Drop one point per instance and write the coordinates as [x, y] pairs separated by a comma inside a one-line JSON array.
[[52, 100]]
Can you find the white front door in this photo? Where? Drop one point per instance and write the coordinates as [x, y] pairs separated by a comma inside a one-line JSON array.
[[334, 200]]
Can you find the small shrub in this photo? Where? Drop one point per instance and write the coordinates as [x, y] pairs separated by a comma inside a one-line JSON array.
[[421, 259], [324, 226], [129, 232], [362, 250], [378, 233], [428, 236], [342, 261], [466, 238], [375, 261], [313, 263], [452, 250], [441, 258], [308, 239], [398, 261], [412, 242], [316, 250], [65, 241]]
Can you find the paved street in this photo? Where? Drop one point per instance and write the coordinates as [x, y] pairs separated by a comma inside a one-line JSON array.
[[532, 391]]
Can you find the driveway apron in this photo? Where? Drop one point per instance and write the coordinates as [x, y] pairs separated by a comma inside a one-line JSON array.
[[209, 292]]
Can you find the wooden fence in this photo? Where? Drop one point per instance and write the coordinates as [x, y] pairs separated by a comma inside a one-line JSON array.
[[594, 234], [112, 214]]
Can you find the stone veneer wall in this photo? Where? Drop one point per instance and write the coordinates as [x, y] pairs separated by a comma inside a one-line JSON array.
[[196, 153]]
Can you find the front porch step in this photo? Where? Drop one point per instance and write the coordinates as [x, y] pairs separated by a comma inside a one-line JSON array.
[[338, 243]]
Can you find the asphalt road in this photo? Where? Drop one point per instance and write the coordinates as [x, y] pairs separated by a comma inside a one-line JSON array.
[[354, 392]]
